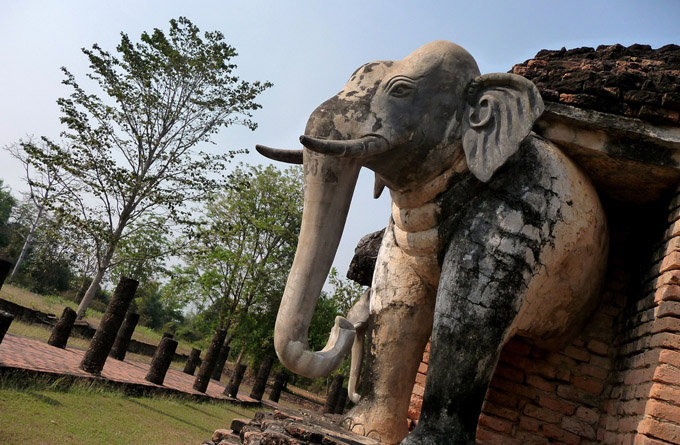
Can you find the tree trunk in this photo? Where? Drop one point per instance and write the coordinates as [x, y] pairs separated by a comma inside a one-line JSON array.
[[91, 291], [27, 244]]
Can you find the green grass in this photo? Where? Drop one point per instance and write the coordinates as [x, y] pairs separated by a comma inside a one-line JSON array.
[[39, 411], [55, 305]]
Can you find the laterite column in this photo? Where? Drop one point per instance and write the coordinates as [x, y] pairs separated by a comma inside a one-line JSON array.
[[193, 361], [62, 330], [161, 360], [279, 381], [100, 346], [221, 361], [120, 346], [209, 361], [232, 389], [5, 267], [333, 394], [262, 377]]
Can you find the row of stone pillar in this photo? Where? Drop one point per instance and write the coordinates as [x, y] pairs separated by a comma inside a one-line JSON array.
[[113, 336]]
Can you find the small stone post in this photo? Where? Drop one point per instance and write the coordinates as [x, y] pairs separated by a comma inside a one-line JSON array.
[[5, 320], [232, 389], [5, 267], [342, 401], [279, 381], [161, 360], [221, 361], [209, 361], [333, 394], [193, 361], [120, 346], [62, 330], [100, 346], [262, 377]]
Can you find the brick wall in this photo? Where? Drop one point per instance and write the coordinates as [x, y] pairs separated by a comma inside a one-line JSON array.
[[619, 380]]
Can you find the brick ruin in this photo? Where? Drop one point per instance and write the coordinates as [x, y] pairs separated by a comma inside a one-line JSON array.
[[619, 380]]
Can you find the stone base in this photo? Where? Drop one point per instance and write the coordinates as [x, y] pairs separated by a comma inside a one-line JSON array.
[[292, 427]]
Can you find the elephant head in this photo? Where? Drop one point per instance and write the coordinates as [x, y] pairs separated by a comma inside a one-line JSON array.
[[408, 121]]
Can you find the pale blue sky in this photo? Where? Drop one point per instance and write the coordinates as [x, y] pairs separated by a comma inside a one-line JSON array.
[[307, 48]]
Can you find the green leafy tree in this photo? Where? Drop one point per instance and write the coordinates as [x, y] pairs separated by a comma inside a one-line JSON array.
[[7, 202], [238, 261], [132, 144], [45, 183]]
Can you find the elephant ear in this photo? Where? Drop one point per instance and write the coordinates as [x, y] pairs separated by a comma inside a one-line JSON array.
[[500, 112]]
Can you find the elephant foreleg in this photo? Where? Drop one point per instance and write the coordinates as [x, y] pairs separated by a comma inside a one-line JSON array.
[[402, 306], [481, 289]]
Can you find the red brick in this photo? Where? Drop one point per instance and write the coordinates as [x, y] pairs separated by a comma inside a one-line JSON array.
[[510, 373], [641, 439], [527, 438], [517, 347], [539, 382], [667, 374], [635, 407], [663, 410], [576, 353], [426, 357], [670, 357], [573, 394], [588, 384], [589, 415], [422, 368], [558, 405], [593, 371], [598, 347], [488, 437], [602, 362], [420, 379], [500, 411], [544, 414], [668, 309], [418, 390], [670, 262], [501, 398], [578, 427], [671, 277], [667, 293], [529, 424], [660, 430], [557, 433], [643, 359], [496, 423], [512, 387], [665, 392]]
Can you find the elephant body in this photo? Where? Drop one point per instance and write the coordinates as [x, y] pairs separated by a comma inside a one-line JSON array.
[[494, 233]]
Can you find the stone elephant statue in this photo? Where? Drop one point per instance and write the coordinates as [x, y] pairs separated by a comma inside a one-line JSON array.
[[494, 232]]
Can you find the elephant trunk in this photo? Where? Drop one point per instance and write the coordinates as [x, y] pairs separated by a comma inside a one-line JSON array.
[[329, 185]]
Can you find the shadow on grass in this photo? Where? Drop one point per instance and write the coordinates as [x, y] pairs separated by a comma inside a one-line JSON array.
[[43, 398], [178, 419], [205, 413]]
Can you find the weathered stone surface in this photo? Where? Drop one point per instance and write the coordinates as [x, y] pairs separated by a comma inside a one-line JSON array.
[[161, 360], [235, 382], [100, 346], [210, 360], [193, 361], [261, 379], [635, 81], [62, 330], [221, 361], [295, 427], [122, 343], [363, 263]]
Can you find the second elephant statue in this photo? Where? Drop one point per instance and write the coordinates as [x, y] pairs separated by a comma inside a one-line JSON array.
[[494, 232]]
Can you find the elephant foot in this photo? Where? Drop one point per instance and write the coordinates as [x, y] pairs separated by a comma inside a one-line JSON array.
[[427, 436], [375, 423]]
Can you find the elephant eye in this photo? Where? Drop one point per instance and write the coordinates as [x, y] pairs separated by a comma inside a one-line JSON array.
[[400, 87]]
